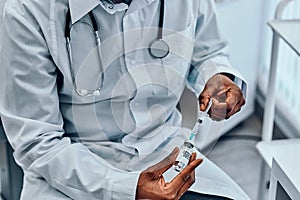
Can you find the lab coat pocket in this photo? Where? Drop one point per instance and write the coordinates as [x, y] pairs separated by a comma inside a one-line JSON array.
[[177, 63]]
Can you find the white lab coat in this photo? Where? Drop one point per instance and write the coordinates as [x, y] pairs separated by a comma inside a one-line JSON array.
[[95, 147]]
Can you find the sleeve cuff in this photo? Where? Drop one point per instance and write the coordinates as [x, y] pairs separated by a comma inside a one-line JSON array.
[[214, 66], [124, 185], [239, 82]]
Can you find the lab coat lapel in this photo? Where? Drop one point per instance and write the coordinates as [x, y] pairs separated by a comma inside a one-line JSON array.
[[80, 8], [138, 4]]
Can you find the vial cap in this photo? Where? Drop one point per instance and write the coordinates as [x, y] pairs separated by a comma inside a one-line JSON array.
[[189, 144]]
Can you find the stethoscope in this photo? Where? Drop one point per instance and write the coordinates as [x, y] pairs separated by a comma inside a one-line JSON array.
[[158, 48]]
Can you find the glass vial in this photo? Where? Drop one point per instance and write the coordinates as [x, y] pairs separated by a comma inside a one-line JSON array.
[[184, 155]]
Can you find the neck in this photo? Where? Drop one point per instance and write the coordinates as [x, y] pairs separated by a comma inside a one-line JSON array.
[[118, 1], [121, 1]]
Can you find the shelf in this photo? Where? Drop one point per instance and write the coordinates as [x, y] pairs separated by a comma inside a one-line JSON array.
[[289, 31], [285, 166], [286, 171], [279, 150]]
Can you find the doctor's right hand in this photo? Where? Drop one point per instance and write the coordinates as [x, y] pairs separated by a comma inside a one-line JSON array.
[[227, 97], [152, 185]]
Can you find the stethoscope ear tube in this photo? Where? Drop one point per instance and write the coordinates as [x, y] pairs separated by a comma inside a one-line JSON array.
[[161, 19], [159, 48], [67, 27], [83, 92]]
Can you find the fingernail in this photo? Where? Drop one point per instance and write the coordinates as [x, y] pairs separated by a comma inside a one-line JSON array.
[[202, 106], [200, 160], [175, 150]]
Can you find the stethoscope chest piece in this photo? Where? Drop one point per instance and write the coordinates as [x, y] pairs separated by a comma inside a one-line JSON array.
[[159, 48]]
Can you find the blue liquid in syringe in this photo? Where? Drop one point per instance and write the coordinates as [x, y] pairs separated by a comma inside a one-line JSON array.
[[187, 148]]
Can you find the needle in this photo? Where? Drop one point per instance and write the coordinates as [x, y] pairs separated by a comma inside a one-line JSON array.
[[203, 114]]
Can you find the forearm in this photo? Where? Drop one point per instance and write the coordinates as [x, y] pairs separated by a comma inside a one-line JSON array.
[[33, 122], [80, 174], [70, 168]]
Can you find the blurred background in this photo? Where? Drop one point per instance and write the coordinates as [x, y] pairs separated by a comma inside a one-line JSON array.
[[244, 24]]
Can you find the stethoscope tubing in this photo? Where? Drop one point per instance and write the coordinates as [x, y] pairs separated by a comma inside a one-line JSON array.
[[84, 93], [158, 48]]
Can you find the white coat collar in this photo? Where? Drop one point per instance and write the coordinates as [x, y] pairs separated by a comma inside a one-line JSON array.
[[79, 8]]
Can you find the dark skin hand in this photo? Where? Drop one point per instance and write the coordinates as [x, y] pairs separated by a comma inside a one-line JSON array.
[[152, 185], [227, 97]]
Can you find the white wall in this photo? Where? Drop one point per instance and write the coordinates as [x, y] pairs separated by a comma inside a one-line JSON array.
[[241, 23]]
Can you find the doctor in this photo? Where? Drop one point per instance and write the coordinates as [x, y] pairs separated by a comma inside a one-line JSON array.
[[89, 93]]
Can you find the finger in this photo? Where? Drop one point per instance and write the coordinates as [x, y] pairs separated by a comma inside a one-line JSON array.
[[184, 175], [193, 157], [164, 164], [232, 101], [190, 181], [218, 110], [187, 185], [222, 94], [204, 99], [237, 108], [233, 111], [223, 91]]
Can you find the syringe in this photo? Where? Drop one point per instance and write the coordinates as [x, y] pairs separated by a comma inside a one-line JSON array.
[[187, 148], [202, 115]]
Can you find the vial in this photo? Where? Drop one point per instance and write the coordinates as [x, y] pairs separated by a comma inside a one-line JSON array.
[[184, 155], [187, 148]]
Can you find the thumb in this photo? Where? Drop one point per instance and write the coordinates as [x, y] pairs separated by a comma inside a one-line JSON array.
[[164, 164], [204, 99]]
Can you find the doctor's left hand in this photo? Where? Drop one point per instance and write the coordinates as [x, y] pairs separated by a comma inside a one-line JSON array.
[[152, 185], [227, 97]]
